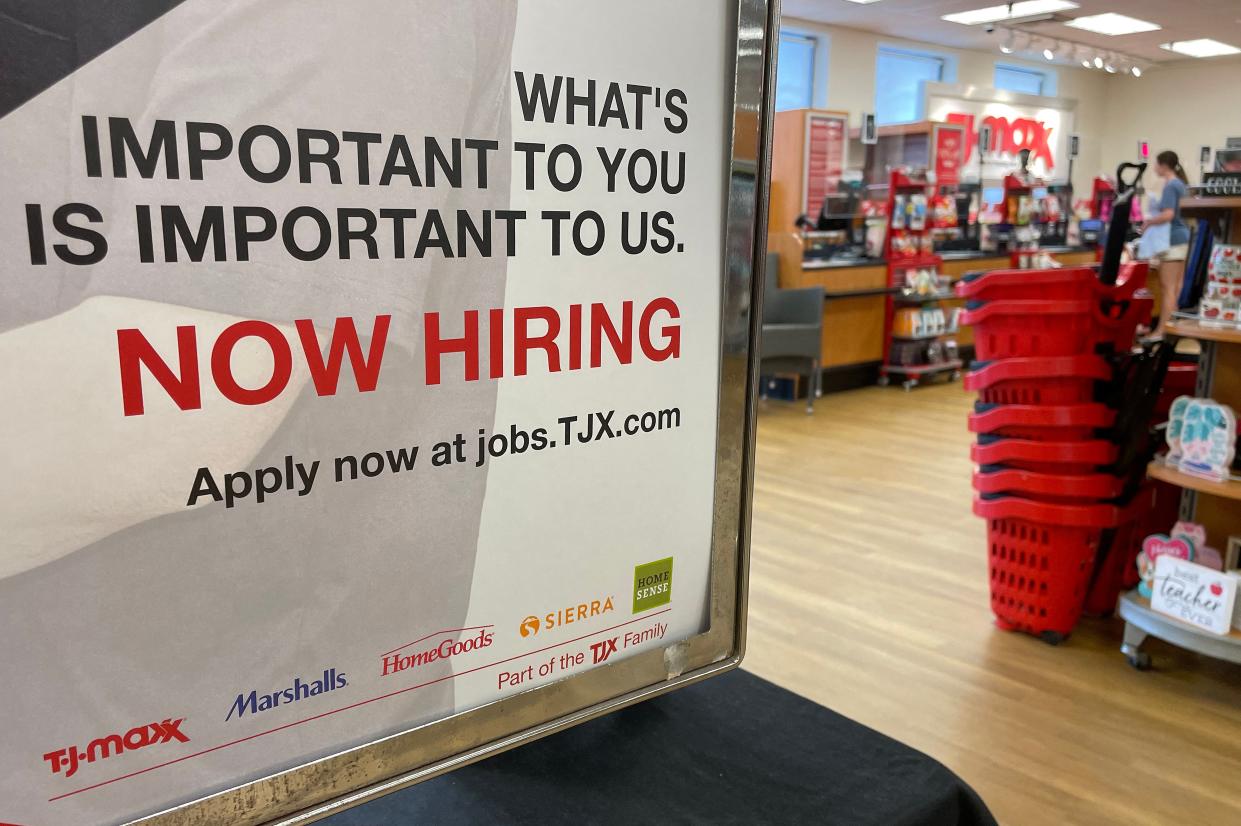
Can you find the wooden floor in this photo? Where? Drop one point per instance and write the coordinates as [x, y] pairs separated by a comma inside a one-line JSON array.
[[868, 593]]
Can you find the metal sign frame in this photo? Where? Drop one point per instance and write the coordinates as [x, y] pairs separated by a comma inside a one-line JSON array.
[[318, 789]]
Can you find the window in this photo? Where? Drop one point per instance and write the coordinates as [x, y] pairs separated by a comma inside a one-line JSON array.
[[900, 76], [1022, 80], [795, 71]]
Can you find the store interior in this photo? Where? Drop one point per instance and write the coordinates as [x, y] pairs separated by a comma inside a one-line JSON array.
[[986, 419]]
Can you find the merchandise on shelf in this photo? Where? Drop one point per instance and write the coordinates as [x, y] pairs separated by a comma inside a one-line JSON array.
[[943, 212], [1201, 437], [1221, 299], [899, 211], [916, 206]]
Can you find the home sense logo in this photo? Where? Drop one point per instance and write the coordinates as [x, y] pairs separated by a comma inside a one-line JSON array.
[[652, 585], [532, 624], [254, 702], [447, 645], [101, 748]]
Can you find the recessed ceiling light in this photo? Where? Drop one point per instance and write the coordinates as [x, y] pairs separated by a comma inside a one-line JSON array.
[[1049, 54], [1137, 71], [1113, 24], [1203, 47], [1009, 11], [1098, 62]]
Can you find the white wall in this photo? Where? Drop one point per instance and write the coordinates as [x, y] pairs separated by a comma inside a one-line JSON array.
[[850, 63], [1179, 106]]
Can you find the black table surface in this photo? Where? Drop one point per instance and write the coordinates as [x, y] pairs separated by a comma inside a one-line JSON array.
[[732, 749]]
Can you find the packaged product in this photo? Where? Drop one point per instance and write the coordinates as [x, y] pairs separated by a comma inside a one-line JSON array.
[[917, 212], [1225, 264]]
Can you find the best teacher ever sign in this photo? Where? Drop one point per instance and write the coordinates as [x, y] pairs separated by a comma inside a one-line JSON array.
[[1194, 594]]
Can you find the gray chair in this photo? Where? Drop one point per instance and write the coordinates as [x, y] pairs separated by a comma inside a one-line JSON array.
[[792, 334]]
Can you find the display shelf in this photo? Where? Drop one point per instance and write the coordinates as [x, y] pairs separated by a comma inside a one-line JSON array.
[[1211, 202], [901, 180], [1141, 621], [1230, 489], [915, 262], [898, 272], [831, 295], [929, 337], [1191, 328], [915, 298], [924, 369]]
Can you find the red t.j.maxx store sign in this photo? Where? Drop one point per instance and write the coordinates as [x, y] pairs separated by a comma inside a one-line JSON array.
[[1009, 137]]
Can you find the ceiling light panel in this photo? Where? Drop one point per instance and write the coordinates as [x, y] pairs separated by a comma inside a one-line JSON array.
[[1204, 47], [1113, 24], [1009, 11]]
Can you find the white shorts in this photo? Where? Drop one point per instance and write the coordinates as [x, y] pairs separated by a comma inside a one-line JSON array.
[[1176, 252]]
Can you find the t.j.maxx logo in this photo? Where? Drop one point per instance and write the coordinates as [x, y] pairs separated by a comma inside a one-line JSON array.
[[1010, 136]]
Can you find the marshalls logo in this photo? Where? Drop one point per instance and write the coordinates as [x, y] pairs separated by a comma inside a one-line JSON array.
[[529, 626]]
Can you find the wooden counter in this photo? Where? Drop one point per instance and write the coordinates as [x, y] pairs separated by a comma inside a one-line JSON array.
[[853, 325]]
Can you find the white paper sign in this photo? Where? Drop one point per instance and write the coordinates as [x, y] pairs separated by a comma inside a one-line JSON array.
[[1194, 594], [269, 498]]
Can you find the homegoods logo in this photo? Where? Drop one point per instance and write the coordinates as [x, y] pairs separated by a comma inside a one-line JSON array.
[[445, 644]]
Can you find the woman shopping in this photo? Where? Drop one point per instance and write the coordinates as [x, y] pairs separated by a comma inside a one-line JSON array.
[[1170, 260]]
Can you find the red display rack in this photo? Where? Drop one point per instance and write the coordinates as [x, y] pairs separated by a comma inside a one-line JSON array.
[[901, 183], [1016, 188]]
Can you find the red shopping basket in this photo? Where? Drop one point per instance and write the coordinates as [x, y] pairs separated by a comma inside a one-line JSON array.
[[1070, 489], [1030, 328], [1044, 457], [1060, 284], [1041, 423], [1060, 380], [1041, 556]]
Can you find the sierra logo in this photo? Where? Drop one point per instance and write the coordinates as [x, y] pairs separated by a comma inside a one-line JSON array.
[[254, 702], [532, 625], [1010, 137], [101, 748]]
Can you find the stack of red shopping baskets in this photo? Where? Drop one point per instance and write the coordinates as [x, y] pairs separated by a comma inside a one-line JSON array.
[[1045, 345]]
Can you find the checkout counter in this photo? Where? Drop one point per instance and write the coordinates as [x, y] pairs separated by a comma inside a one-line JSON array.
[[854, 305], [811, 151]]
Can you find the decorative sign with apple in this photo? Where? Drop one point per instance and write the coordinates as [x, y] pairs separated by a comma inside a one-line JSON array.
[[1193, 594]]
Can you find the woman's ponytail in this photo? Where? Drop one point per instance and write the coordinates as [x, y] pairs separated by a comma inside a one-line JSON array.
[[1169, 159]]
